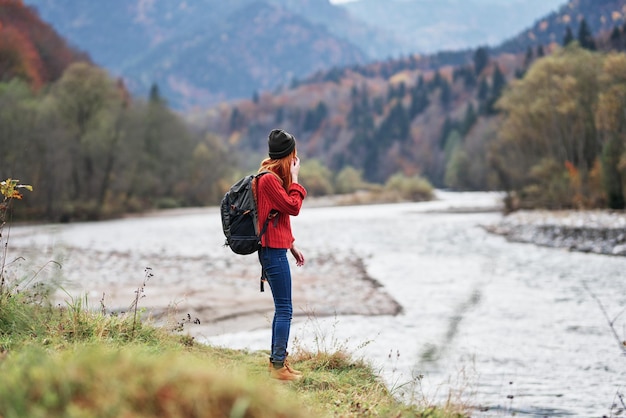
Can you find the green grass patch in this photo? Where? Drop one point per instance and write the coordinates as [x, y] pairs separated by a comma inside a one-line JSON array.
[[72, 361]]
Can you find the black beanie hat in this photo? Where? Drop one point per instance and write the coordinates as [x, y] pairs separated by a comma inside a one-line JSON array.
[[280, 143]]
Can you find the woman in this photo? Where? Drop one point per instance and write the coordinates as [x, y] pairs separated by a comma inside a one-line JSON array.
[[280, 192]]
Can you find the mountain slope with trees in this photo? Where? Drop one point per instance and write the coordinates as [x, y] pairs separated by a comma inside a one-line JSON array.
[[448, 123], [205, 51], [77, 136], [599, 16], [31, 49]]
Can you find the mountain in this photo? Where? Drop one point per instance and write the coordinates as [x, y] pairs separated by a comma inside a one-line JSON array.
[[429, 26], [202, 52], [434, 115], [600, 16], [225, 61], [205, 51]]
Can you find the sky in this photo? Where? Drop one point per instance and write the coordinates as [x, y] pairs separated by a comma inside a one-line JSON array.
[[552, 2]]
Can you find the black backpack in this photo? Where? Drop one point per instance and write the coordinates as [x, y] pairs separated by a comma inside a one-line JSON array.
[[240, 216]]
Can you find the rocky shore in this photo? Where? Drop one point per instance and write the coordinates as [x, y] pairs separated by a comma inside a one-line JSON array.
[[600, 232]]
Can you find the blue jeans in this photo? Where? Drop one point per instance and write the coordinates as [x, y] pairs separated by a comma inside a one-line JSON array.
[[278, 274]]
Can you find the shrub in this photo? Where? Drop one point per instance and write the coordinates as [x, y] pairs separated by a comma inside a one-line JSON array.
[[414, 188]]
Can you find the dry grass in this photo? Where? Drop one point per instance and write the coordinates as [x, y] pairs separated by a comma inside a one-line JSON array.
[[69, 361]]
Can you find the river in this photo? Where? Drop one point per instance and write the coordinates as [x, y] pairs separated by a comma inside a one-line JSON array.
[[447, 310]]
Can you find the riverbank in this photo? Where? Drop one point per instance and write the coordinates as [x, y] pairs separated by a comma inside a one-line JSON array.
[[70, 361], [469, 300], [599, 232]]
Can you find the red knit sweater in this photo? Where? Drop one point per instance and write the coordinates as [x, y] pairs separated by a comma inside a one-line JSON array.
[[272, 195]]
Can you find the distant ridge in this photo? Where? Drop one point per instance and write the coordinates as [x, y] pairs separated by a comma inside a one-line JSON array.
[[205, 52]]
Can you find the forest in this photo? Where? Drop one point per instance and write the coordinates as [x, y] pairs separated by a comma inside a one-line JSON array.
[[546, 126], [76, 134]]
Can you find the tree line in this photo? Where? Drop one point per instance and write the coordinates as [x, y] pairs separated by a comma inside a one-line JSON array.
[[92, 151], [464, 127], [562, 140]]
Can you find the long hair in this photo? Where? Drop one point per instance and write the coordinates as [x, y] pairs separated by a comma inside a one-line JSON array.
[[280, 167]]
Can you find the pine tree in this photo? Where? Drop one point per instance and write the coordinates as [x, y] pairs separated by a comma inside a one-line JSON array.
[[616, 38], [419, 101], [528, 59], [585, 38], [435, 82], [569, 36], [469, 120], [396, 126], [615, 34], [498, 84], [483, 90], [481, 59], [540, 52], [446, 129], [445, 94], [155, 95], [237, 119]]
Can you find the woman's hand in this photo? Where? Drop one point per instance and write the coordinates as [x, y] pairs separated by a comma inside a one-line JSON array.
[[297, 254], [295, 169]]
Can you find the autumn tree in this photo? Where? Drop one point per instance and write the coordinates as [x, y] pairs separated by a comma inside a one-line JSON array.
[[19, 58], [93, 151], [548, 145], [42, 49], [349, 180], [88, 106], [456, 162], [317, 177]]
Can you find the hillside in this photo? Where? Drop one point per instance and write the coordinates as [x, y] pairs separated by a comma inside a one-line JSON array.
[[600, 16], [226, 62], [30, 48], [203, 52], [429, 115], [72, 130], [430, 26]]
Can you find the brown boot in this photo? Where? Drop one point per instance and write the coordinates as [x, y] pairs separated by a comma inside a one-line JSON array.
[[286, 363], [284, 373], [291, 369]]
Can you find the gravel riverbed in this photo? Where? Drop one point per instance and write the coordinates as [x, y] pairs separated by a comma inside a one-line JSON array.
[[600, 232]]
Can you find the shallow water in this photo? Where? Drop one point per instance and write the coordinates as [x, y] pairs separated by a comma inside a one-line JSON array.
[[507, 328]]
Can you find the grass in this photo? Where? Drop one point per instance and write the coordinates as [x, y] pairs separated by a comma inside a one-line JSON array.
[[71, 361]]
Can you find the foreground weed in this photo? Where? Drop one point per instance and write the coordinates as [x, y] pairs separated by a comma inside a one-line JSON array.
[[96, 381], [139, 294], [10, 191]]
